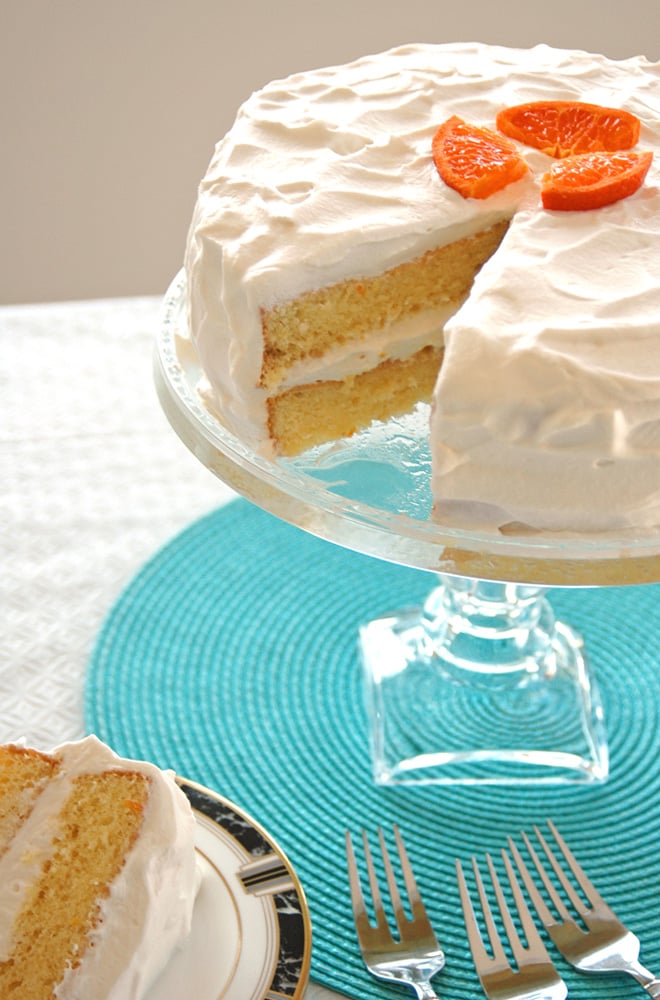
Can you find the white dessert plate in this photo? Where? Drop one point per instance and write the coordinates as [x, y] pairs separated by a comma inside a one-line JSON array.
[[251, 932]]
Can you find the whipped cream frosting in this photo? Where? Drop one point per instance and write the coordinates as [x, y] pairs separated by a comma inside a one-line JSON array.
[[547, 410], [148, 912]]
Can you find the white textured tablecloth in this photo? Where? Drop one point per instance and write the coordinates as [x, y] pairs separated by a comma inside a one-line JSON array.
[[94, 482]]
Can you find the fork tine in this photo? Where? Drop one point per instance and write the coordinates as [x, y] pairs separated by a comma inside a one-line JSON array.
[[376, 898], [481, 957], [414, 956], [495, 941], [587, 887], [417, 907], [395, 895], [535, 947], [557, 901], [361, 917], [537, 899], [559, 872], [420, 922], [585, 883]]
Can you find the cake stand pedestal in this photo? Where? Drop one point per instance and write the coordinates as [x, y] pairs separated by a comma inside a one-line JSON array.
[[479, 685]]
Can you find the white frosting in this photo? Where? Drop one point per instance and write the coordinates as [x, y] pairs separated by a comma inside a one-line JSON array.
[[324, 176], [149, 910], [547, 410], [550, 415]]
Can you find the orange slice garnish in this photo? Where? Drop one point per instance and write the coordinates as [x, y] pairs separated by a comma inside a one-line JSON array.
[[564, 128], [475, 161], [592, 180]]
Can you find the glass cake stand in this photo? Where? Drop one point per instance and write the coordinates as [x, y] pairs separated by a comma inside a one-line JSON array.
[[481, 684]]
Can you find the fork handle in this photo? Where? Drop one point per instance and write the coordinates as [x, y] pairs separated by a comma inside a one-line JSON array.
[[424, 991], [645, 979]]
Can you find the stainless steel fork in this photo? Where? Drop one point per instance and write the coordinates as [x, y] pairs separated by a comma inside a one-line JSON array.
[[415, 956], [606, 945], [535, 977]]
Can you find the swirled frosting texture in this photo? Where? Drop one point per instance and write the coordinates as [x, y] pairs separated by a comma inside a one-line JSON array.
[[547, 410]]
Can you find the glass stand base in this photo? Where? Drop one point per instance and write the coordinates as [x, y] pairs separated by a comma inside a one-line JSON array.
[[481, 685]]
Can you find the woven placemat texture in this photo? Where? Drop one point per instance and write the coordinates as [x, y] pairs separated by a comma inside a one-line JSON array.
[[232, 658]]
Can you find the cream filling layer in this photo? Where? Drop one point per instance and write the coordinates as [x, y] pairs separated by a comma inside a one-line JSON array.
[[400, 341], [30, 848]]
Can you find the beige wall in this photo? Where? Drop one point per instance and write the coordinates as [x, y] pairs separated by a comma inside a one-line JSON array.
[[110, 109]]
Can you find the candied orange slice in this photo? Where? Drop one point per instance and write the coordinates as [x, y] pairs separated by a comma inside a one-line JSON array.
[[475, 161], [592, 180], [564, 128]]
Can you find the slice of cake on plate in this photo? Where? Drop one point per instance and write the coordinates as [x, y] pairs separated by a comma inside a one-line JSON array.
[[98, 875]]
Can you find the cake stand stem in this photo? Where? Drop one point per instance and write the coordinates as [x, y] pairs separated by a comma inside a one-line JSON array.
[[481, 684]]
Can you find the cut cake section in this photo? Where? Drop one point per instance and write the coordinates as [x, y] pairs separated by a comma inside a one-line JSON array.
[[313, 414], [23, 773], [52, 931], [348, 313], [98, 872]]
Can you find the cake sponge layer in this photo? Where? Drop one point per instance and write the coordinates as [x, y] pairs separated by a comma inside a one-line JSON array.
[[318, 321], [96, 827], [23, 773], [309, 415]]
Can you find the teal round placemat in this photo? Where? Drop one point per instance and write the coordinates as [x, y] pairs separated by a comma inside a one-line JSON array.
[[232, 658]]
